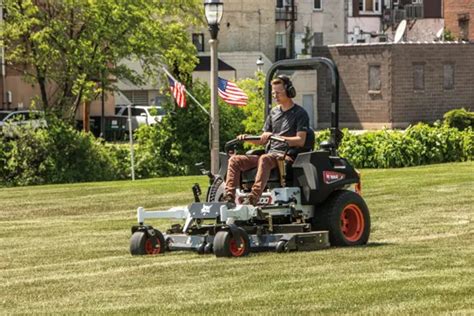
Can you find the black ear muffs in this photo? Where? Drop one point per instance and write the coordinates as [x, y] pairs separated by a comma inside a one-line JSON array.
[[290, 90]]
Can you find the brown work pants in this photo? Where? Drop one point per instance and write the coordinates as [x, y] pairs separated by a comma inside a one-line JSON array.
[[239, 163]]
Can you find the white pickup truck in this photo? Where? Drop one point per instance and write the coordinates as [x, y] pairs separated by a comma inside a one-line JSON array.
[[10, 121], [141, 115]]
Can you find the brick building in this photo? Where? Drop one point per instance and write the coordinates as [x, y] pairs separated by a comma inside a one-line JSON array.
[[459, 18], [394, 85]]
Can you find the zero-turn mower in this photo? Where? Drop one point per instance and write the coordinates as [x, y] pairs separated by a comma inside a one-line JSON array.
[[310, 204]]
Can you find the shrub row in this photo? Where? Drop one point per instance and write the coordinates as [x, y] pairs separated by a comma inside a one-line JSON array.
[[57, 154], [60, 154], [418, 145]]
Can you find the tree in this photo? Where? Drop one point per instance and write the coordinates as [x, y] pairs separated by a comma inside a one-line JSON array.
[[70, 46], [254, 111], [307, 40]]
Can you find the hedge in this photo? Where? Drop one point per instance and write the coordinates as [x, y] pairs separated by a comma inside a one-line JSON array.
[[420, 144], [57, 154], [60, 154]]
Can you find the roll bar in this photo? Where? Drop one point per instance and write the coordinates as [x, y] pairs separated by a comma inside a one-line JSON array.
[[307, 64]]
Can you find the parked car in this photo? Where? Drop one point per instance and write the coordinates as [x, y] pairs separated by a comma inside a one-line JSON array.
[[3, 114], [141, 115], [11, 121]]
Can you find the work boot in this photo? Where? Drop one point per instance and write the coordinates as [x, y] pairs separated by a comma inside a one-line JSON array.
[[228, 198], [250, 200]]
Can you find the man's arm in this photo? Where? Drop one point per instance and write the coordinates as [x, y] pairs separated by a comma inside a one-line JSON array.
[[262, 141], [295, 141], [267, 128]]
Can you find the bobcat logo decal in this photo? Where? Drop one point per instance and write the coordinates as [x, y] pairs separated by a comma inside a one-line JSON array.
[[206, 209]]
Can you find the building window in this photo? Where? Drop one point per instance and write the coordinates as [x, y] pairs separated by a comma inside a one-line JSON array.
[[137, 97], [370, 6], [308, 105], [448, 76], [280, 39], [318, 5], [463, 21], [375, 84], [279, 4], [198, 41], [419, 76]]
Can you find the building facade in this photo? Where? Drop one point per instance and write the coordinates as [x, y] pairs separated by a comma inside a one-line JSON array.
[[459, 18], [371, 21], [395, 85]]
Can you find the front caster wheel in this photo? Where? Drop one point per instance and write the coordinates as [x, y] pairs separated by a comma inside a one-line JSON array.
[[281, 246], [200, 249], [208, 248], [147, 243], [227, 245]]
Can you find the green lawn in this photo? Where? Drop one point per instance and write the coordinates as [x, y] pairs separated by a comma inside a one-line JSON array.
[[65, 249]]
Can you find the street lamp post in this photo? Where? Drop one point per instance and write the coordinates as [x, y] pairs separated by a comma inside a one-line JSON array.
[[214, 10]]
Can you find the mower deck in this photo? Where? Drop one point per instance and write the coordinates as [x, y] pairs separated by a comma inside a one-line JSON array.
[[269, 242]]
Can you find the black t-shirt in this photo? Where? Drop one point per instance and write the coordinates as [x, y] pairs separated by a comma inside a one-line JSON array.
[[286, 123]]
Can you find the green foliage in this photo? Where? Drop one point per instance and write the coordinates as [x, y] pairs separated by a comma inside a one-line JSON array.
[[182, 138], [459, 118], [56, 154], [307, 40], [77, 47], [448, 36], [418, 145], [254, 111]]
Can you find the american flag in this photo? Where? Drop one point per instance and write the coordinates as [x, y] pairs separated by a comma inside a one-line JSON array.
[[178, 91], [230, 93]]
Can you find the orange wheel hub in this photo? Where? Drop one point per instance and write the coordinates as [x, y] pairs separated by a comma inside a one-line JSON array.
[[352, 222]]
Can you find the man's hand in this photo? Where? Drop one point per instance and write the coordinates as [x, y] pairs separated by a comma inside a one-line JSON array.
[[264, 137], [241, 137]]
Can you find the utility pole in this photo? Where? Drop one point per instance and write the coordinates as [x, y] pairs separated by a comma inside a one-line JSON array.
[[86, 105], [4, 73], [102, 110], [214, 108], [292, 30], [214, 11]]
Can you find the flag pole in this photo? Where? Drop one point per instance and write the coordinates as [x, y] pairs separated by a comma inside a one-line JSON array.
[[189, 94]]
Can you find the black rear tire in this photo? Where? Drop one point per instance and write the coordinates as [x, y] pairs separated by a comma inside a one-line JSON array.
[[225, 245], [346, 216], [142, 244]]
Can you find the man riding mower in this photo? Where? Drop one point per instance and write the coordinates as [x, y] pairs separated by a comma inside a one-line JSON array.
[[308, 201]]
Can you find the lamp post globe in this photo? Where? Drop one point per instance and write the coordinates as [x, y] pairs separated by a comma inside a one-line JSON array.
[[214, 10], [260, 63]]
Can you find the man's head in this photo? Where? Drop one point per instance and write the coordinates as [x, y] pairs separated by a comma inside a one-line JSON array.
[[282, 89]]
